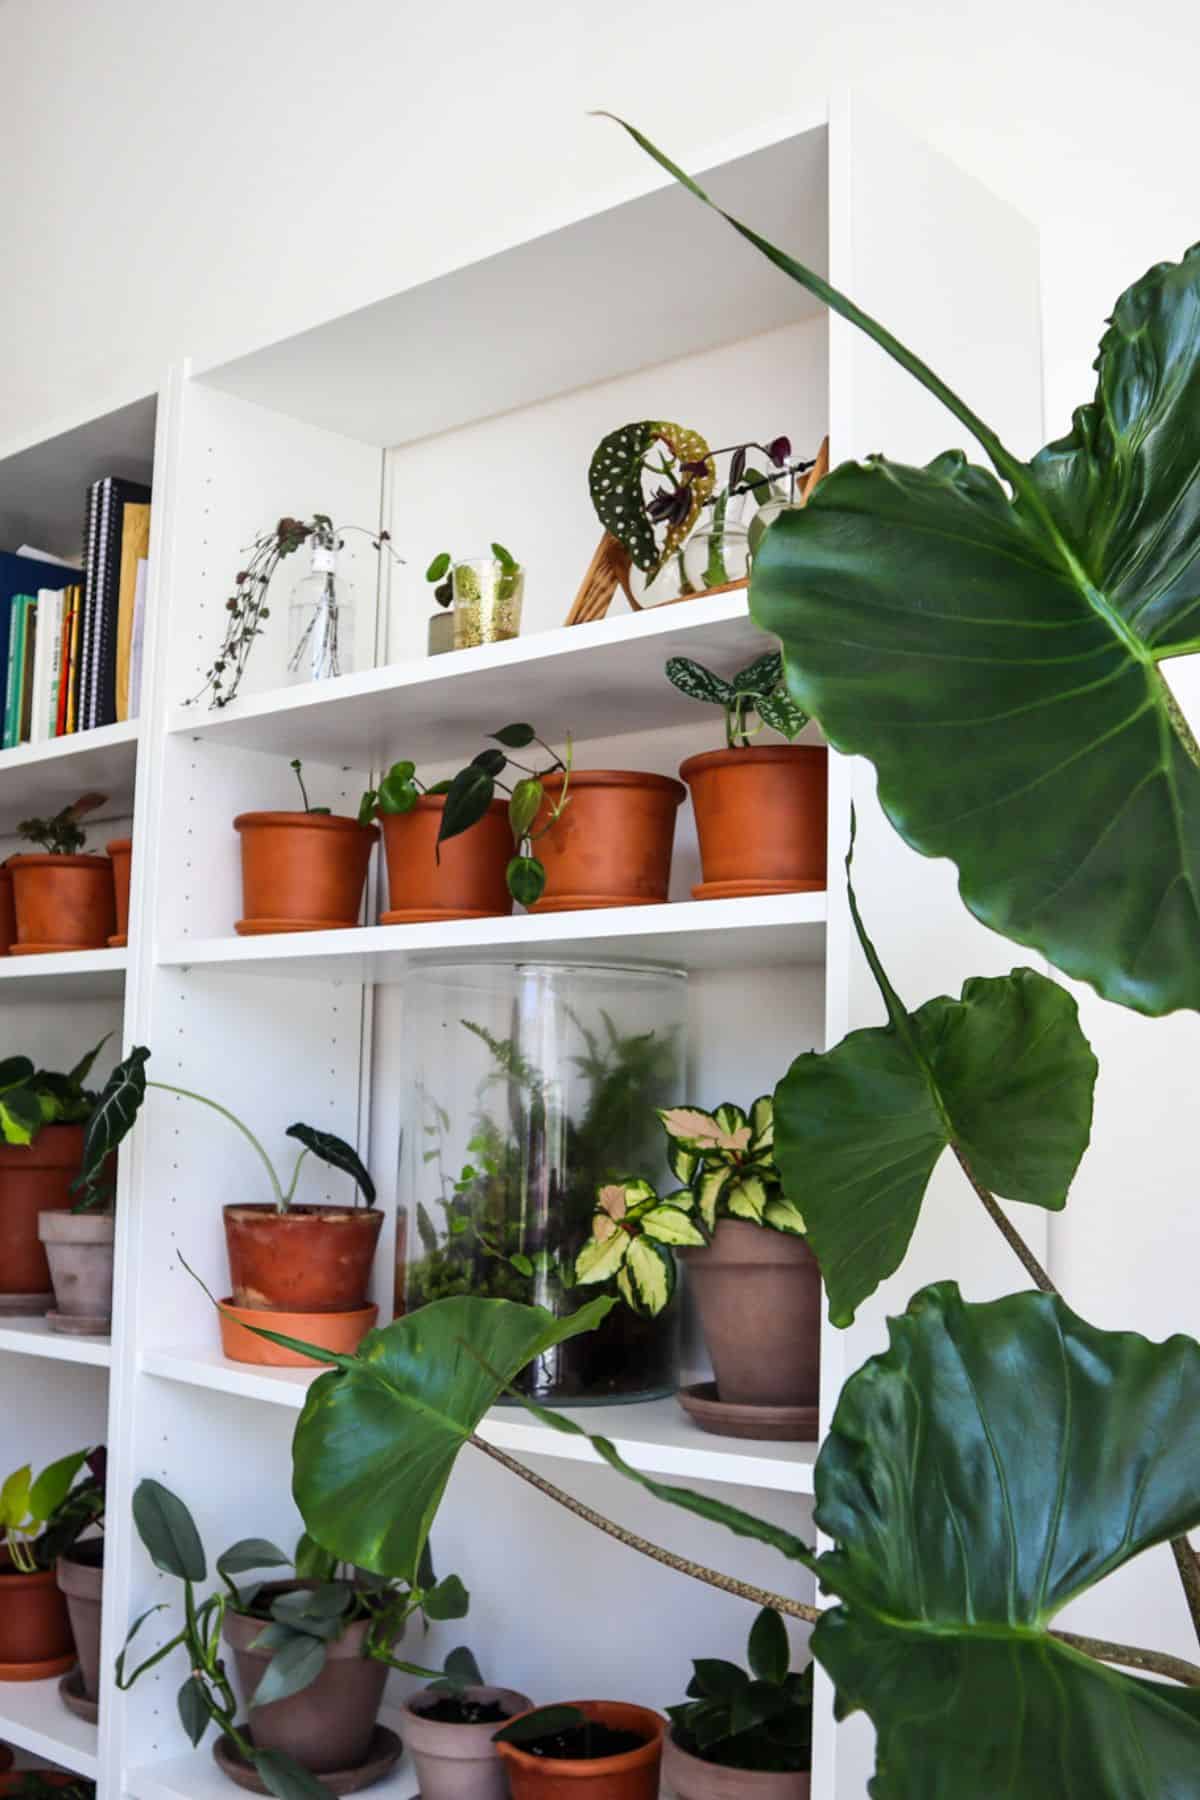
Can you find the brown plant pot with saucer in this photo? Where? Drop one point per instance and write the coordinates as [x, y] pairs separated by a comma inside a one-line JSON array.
[[630, 1776], [761, 819], [80, 1577], [34, 1178], [301, 871], [304, 1273], [466, 882], [8, 918], [691, 1778], [79, 1250], [758, 1293], [613, 843], [457, 1760], [62, 903], [35, 1632], [120, 852]]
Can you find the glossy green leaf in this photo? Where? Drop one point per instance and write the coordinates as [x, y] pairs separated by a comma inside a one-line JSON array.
[[168, 1531], [337, 1153], [439, 567], [15, 1071], [718, 1679], [1004, 1075], [524, 805], [21, 1116], [14, 1498], [53, 1485], [397, 793], [515, 737], [83, 1068], [647, 1277], [294, 1667], [113, 1114], [469, 795], [770, 1652], [994, 1464], [526, 878], [448, 1599], [252, 1553], [286, 1779], [671, 1225], [194, 1715]]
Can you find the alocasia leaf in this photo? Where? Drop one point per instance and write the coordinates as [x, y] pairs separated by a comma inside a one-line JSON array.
[[1004, 1075], [996, 1462], [337, 1153]]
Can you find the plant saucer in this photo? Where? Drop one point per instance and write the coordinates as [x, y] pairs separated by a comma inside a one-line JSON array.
[[80, 1324], [727, 1418], [71, 1693], [383, 1753], [53, 949], [25, 1306], [268, 927]]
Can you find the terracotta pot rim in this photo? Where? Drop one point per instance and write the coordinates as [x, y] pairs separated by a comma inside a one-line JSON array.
[[616, 778], [347, 1644], [753, 753], [575, 1769], [743, 1235], [432, 803], [302, 821], [305, 1210], [40, 859], [34, 1156], [432, 1695], [63, 1226], [14, 1577], [115, 846]]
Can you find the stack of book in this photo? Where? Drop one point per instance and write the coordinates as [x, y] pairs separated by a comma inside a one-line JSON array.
[[71, 638]]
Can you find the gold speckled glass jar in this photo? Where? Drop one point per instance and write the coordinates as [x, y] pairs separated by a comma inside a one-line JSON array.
[[487, 602]]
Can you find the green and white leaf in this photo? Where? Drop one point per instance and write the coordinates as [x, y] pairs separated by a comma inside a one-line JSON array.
[[745, 1198], [781, 1215], [647, 1278], [699, 683], [762, 1123], [782, 714], [671, 1225], [709, 1189], [681, 1161]]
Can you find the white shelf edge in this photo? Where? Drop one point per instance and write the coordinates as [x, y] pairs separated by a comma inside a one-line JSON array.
[[64, 963], [33, 1337], [33, 1718], [102, 737]]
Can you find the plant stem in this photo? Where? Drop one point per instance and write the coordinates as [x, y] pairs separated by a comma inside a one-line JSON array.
[[1157, 1661], [166, 1087]]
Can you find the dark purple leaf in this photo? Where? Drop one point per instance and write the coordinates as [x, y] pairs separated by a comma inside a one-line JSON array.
[[779, 449]]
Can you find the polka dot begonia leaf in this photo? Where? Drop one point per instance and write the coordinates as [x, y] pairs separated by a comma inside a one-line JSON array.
[[615, 480]]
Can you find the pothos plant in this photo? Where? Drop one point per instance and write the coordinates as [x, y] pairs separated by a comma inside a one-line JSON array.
[[532, 811], [757, 692], [41, 1517]]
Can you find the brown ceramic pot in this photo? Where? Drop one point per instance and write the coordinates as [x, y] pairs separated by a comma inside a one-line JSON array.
[[80, 1576], [633, 1776], [340, 1331], [612, 845], [761, 819], [308, 1259], [62, 903], [8, 918], [468, 880], [35, 1632], [301, 871], [328, 1725], [79, 1250], [690, 1778], [121, 852], [34, 1178], [759, 1297], [458, 1762]]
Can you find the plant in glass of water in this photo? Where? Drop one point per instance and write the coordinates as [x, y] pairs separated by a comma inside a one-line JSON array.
[[532, 811], [755, 697], [718, 551], [758, 1719], [485, 591], [62, 834]]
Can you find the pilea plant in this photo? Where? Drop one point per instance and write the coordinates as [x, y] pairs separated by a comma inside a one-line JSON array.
[[473, 789], [757, 690], [62, 834], [441, 573], [42, 1517], [999, 1458], [761, 1719], [297, 768]]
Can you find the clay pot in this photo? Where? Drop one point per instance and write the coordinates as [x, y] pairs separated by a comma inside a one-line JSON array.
[[761, 819], [8, 918], [35, 1632], [759, 1298], [612, 846], [34, 1178], [55, 1778], [340, 1331], [691, 1778], [62, 903], [120, 851], [328, 1725], [458, 1762], [467, 883], [301, 871], [79, 1250], [308, 1259], [80, 1576], [633, 1776]]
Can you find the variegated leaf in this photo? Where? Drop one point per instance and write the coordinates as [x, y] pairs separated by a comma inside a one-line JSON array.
[[600, 1259], [762, 1123], [670, 1225], [746, 1198], [681, 1161], [781, 1215], [647, 1280], [709, 1189]]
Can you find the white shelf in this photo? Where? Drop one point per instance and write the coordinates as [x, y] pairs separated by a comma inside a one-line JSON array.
[[655, 1436], [41, 778], [597, 680], [33, 1718], [197, 1777], [33, 1337], [68, 974]]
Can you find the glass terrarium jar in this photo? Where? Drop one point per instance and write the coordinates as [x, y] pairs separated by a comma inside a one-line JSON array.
[[487, 601], [534, 1085], [321, 620]]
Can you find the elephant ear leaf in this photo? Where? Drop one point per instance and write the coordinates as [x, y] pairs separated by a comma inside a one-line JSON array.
[[112, 1117], [1002, 1418], [337, 1153], [1004, 1076]]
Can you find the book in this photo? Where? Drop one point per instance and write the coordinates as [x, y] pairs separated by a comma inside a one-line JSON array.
[[16, 612], [63, 694], [139, 639], [108, 499], [23, 575], [28, 651], [98, 500], [54, 600], [135, 544], [39, 658], [72, 724]]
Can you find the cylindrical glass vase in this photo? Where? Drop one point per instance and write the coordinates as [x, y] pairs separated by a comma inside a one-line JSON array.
[[321, 621], [487, 601], [535, 1084]]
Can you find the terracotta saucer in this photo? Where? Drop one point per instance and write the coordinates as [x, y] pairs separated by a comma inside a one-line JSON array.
[[37, 1671], [340, 1331], [742, 890], [52, 949], [73, 1697], [25, 1306], [416, 915], [724, 1418], [268, 927], [80, 1324], [384, 1752]]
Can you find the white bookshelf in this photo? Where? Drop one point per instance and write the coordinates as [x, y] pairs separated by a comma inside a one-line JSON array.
[[470, 432]]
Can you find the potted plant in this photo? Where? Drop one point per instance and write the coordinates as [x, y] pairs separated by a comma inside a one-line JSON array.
[[302, 871], [743, 1735], [486, 592], [62, 899], [79, 1245], [79, 1572], [605, 1749], [462, 879], [40, 1519], [42, 1119], [120, 854], [760, 808], [717, 554], [311, 1652], [449, 1730], [604, 837]]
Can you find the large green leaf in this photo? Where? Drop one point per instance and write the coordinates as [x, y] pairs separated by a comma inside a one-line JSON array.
[[379, 1435], [996, 653], [996, 1462], [1004, 1075]]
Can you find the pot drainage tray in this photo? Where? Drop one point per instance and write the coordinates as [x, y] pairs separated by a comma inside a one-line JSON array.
[[71, 1693], [725, 1418], [383, 1753], [80, 1324]]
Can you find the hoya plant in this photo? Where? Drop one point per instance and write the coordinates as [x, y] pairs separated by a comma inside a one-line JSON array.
[[760, 1718], [753, 698], [532, 811]]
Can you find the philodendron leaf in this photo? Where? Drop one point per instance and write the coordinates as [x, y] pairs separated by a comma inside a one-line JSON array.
[[378, 1436], [997, 654], [167, 1529], [337, 1153], [971, 1487], [770, 1652], [193, 1709], [1003, 1075], [294, 1667]]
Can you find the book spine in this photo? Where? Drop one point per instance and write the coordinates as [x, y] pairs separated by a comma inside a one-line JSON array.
[[70, 600], [38, 672], [99, 500], [16, 614], [53, 664], [137, 645], [29, 647]]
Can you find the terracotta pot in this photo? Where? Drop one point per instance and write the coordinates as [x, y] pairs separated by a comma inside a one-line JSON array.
[[121, 851], [34, 1178], [79, 1250], [761, 819], [467, 883], [302, 871], [691, 1778], [458, 1762], [341, 1331], [633, 1776], [308, 1259], [80, 1576], [328, 1725], [612, 846], [55, 1778], [8, 918], [35, 1632], [62, 903], [759, 1298]]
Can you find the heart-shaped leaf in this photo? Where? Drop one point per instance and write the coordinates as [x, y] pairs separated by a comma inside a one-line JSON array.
[[467, 799], [337, 1153], [447, 1600], [167, 1529], [526, 878], [251, 1553]]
